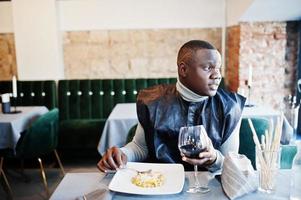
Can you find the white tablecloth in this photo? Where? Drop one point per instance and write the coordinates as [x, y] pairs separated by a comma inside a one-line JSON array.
[[11, 125], [121, 119], [75, 185], [124, 116]]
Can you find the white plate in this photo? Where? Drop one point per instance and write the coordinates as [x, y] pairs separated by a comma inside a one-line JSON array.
[[173, 173]]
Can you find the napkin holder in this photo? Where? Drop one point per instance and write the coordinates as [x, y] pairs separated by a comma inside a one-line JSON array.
[[238, 176], [6, 105]]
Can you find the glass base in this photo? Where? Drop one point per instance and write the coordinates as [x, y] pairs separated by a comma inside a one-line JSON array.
[[267, 191], [201, 189]]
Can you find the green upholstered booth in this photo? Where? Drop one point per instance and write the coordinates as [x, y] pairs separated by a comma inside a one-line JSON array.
[[86, 104], [33, 93], [246, 143]]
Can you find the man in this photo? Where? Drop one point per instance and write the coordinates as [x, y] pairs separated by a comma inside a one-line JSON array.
[[195, 99]]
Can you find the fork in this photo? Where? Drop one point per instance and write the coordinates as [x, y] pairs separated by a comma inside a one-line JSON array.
[[130, 168], [139, 171]]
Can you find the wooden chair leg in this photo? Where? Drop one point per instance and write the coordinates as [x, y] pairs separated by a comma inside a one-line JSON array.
[[10, 193], [44, 177], [59, 161]]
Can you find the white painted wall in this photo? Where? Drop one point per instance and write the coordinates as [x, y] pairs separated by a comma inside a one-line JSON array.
[[128, 14], [139, 14], [273, 10], [37, 40], [6, 17], [37, 24], [235, 9]]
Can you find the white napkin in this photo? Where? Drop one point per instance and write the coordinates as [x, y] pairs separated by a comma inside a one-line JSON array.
[[99, 194], [238, 176]]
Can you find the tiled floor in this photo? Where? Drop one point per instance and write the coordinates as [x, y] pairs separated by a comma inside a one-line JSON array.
[[33, 189]]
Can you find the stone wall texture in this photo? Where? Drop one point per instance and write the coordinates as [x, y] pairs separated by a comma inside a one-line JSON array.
[[8, 66], [128, 53]]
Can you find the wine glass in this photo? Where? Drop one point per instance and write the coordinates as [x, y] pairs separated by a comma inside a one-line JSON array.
[[192, 141]]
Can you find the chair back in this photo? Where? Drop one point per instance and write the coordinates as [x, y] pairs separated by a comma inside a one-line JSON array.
[[41, 137], [246, 143], [288, 153], [131, 133]]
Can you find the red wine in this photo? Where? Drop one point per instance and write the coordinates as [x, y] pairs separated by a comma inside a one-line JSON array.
[[191, 150]]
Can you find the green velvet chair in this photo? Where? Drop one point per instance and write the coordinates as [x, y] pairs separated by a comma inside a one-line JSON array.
[[288, 153], [131, 133], [2, 173], [40, 139], [246, 143]]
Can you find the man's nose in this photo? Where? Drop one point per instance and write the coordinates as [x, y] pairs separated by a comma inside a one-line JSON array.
[[216, 74]]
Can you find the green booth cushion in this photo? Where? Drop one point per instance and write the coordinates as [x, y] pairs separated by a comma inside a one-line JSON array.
[[86, 104], [80, 134]]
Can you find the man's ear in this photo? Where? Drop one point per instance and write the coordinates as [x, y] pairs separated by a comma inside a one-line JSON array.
[[182, 69]]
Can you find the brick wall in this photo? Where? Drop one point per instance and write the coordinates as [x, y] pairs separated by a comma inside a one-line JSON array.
[[8, 65], [128, 53], [262, 46], [232, 57]]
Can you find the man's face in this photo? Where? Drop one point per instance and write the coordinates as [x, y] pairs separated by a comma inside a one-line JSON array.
[[202, 75]]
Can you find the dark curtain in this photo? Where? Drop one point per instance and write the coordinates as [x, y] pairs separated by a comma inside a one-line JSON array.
[[299, 83]]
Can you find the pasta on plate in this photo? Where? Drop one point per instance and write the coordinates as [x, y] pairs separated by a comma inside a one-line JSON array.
[[148, 180]]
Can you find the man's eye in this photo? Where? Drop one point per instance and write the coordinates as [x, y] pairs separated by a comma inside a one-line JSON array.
[[207, 68]]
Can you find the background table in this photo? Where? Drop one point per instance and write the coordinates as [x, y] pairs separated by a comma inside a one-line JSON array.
[[121, 119], [12, 125], [124, 116], [75, 185]]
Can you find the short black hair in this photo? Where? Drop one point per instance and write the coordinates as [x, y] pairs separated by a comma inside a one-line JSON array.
[[190, 47]]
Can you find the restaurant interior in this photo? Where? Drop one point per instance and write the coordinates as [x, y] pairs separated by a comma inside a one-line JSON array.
[[70, 72]]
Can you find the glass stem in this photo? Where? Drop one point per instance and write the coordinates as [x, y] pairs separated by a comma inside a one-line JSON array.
[[196, 180]]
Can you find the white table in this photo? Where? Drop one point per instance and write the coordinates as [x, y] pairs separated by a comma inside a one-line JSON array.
[[75, 185], [124, 116], [12, 125]]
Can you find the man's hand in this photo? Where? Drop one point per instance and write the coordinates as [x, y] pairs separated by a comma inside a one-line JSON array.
[[113, 159], [206, 158]]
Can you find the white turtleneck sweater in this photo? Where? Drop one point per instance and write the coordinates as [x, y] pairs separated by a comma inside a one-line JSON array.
[[137, 150]]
